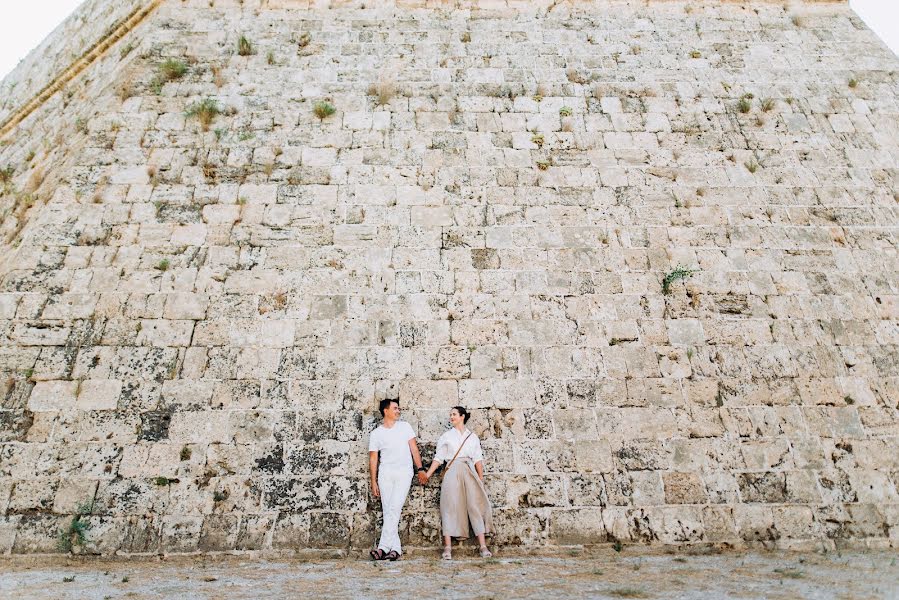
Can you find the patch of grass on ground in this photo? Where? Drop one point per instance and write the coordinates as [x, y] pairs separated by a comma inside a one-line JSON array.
[[789, 573], [627, 592]]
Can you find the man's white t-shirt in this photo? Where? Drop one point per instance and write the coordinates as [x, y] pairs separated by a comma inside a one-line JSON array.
[[393, 444]]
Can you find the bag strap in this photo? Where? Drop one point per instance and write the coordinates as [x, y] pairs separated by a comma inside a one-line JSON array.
[[458, 451]]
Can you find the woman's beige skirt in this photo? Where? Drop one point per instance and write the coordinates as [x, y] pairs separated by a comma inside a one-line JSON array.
[[463, 500]]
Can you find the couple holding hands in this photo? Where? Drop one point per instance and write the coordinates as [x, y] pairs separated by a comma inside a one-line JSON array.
[[463, 497]]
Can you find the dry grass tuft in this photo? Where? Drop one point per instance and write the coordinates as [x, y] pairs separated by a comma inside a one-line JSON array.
[[383, 90]]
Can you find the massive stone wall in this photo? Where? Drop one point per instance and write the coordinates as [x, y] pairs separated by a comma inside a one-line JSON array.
[[76, 35], [196, 324]]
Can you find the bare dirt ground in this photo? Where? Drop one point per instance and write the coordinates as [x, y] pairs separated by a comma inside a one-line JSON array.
[[576, 574]]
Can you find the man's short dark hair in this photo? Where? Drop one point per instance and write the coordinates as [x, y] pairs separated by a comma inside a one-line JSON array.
[[385, 404], [463, 413]]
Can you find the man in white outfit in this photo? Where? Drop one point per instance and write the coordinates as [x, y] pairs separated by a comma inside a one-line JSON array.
[[391, 478]]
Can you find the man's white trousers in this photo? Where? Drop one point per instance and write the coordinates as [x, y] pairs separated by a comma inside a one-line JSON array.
[[394, 484]]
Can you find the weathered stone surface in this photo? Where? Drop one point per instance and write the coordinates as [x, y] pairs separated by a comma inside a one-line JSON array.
[[577, 526], [197, 324], [98, 394]]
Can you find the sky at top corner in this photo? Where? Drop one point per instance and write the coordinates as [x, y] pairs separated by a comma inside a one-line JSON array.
[[26, 24]]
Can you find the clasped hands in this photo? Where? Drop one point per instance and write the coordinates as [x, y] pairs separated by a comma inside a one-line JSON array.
[[376, 490]]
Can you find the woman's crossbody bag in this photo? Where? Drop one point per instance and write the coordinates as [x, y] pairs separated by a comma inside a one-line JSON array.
[[458, 451]]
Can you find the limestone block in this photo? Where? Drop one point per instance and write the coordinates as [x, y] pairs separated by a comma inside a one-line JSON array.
[[328, 529], [5, 493], [537, 424], [163, 332], [38, 533], [199, 426], [640, 454], [170, 121], [70, 306], [634, 423], [432, 216], [429, 394], [616, 523], [218, 533], [272, 333], [802, 486], [8, 528], [541, 456], [535, 491], [453, 362], [701, 423], [574, 424], [73, 496], [718, 523], [328, 307], [181, 533], [766, 454], [189, 235], [31, 496], [593, 456], [130, 175], [756, 523], [644, 524], [52, 395], [834, 421], [646, 488], [865, 520], [52, 363], [683, 488], [325, 395], [186, 306], [187, 393], [577, 526], [687, 332], [8, 303], [657, 122], [253, 532], [258, 194], [291, 531], [376, 363], [98, 394], [319, 157], [767, 487], [795, 522], [28, 335], [587, 490], [873, 486], [311, 459], [245, 426]]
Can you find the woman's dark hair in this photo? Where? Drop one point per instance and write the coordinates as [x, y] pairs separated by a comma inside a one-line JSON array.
[[385, 403], [463, 412]]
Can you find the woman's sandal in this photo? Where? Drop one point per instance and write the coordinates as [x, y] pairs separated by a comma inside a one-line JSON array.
[[485, 553], [377, 554], [447, 553], [392, 555]]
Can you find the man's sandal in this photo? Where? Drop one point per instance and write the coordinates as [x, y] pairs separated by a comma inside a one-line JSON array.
[[392, 555], [377, 554]]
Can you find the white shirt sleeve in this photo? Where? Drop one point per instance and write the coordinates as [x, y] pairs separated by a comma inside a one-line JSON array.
[[374, 441], [476, 453], [411, 431], [442, 449]]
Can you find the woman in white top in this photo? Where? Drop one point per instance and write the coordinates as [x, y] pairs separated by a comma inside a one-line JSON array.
[[463, 497]]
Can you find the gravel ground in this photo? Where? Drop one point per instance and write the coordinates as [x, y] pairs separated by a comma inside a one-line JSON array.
[[578, 574]]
